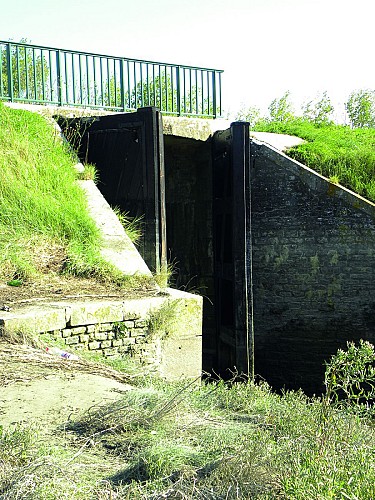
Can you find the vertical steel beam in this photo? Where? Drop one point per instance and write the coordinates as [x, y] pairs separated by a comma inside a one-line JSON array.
[[240, 160]]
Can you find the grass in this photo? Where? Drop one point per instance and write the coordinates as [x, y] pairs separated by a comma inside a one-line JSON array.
[[183, 440], [132, 226], [43, 212], [335, 151]]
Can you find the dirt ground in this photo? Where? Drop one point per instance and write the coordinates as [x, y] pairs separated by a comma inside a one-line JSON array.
[[53, 287], [39, 387]]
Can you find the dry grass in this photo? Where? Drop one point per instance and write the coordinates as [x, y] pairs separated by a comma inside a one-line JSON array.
[[21, 363], [188, 441]]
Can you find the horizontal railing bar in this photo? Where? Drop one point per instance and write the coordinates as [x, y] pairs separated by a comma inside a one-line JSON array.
[[46, 75], [118, 58]]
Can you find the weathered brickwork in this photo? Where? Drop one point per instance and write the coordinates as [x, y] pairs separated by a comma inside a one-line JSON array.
[[313, 269], [130, 337], [163, 332]]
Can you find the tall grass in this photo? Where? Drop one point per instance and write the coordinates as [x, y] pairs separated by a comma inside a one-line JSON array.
[[211, 441], [335, 151], [43, 212]]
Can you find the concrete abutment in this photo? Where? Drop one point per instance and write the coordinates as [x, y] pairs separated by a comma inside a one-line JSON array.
[[163, 333], [313, 249]]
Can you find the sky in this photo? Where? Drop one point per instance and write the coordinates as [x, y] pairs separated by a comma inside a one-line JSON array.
[[265, 47]]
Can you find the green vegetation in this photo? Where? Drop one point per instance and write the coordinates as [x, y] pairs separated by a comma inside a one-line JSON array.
[[335, 151], [343, 154], [132, 225], [28, 70], [161, 91], [319, 110], [361, 108], [164, 277], [211, 441], [43, 212]]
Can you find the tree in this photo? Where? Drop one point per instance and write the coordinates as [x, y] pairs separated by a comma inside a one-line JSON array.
[[162, 92], [281, 109], [250, 114], [319, 110], [361, 108], [157, 92], [147, 92]]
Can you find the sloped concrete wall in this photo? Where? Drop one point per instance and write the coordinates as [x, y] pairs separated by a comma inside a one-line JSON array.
[[313, 269]]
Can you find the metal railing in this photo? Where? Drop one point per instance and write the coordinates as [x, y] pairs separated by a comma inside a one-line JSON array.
[[45, 75]]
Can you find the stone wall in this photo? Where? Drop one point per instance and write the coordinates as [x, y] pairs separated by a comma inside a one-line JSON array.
[[313, 269], [131, 338], [164, 333], [188, 186]]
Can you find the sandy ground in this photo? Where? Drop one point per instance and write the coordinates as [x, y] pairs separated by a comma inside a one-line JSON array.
[[42, 388]]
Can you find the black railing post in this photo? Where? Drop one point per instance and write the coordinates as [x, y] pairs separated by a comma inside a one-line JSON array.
[[178, 90], [10, 71], [220, 107], [59, 77], [122, 84], [214, 93]]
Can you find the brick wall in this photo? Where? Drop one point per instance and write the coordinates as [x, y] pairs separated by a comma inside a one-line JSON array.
[[163, 332], [131, 337], [313, 269]]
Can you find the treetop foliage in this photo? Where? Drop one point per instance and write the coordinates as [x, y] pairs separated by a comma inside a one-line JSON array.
[[345, 154], [360, 109]]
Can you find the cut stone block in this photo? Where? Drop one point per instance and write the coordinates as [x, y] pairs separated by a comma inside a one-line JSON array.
[[179, 341], [33, 319], [117, 248], [88, 313]]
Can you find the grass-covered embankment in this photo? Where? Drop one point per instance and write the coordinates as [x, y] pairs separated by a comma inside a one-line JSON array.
[[345, 155], [44, 222]]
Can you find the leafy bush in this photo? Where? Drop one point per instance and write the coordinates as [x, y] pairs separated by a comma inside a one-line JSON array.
[[350, 378]]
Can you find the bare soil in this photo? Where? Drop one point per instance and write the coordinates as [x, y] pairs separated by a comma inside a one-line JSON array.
[[52, 287]]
